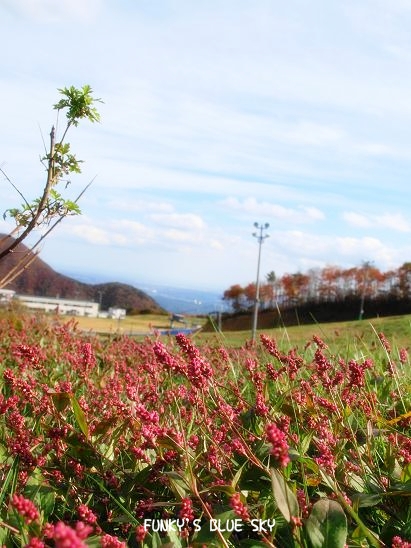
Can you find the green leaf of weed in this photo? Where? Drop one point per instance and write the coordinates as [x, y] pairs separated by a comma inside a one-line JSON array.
[[285, 499], [327, 525], [80, 416]]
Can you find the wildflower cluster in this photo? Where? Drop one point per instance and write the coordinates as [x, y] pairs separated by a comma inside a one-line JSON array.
[[99, 438]]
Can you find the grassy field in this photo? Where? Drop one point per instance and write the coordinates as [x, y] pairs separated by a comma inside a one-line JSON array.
[[348, 336], [354, 334], [140, 325]]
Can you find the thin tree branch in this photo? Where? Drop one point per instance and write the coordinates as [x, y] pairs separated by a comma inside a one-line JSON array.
[[15, 188], [21, 266]]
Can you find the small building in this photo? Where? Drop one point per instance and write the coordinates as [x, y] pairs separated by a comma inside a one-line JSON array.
[[117, 313], [6, 296], [70, 307]]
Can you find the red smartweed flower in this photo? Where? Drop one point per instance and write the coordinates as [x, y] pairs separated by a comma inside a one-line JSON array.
[[302, 503], [199, 371], [397, 542], [274, 373], [384, 341], [193, 441], [83, 530], [279, 449], [25, 507], [108, 541], [9, 377], [271, 346], [64, 386], [140, 533], [403, 355], [35, 542], [213, 461], [239, 508], [28, 355], [356, 373], [168, 360], [7, 404], [66, 537], [325, 458], [144, 506], [321, 363], [86, 515], [89, 359], [186, 510], [261, 409], [296, 521], [326, 404], [224, 355], [294, 363], [319, 342]]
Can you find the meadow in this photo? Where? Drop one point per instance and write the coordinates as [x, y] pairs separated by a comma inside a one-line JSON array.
[[301, 439]]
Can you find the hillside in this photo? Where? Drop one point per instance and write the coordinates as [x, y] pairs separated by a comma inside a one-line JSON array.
[[41, 280], [317, 313]]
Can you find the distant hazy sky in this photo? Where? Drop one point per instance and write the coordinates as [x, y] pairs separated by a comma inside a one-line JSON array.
[[216, 114]]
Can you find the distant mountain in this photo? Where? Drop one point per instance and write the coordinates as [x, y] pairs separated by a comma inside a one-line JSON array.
[[41, 280], [186, 301], [179, 300]]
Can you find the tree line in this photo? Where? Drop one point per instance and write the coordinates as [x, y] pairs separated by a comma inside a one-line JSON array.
[[330, 284]]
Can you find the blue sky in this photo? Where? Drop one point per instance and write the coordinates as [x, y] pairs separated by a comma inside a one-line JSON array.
[[216, 115]]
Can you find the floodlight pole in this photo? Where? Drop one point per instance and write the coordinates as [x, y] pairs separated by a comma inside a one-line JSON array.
[[260, 238], [366, 266]]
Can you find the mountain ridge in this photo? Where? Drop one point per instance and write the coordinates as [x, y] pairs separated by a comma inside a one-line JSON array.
[[43, 281]]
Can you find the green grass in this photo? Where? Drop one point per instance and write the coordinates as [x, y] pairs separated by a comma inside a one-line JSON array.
[[355, 333], [351, 335]]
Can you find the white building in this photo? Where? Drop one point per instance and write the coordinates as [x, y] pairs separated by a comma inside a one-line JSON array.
[[117, 313], [70, 307], [6, 295]]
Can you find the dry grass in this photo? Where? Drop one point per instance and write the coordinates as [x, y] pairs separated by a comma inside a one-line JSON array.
[[143, 324]]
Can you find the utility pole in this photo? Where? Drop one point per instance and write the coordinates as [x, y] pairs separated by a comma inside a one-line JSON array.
[[260, 238], [366, 265]]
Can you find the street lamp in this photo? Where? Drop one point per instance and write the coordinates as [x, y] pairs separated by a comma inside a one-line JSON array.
[[366, 265], [260, 238]]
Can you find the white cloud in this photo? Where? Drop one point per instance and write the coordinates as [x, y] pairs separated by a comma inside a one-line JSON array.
[[313, 134], [96, 235], [352, 246], [391, 221], [250, 205], [188, 221], [394, 221], [356, 219], [179, 236], [139, 206], [48, 11], [379, 149]]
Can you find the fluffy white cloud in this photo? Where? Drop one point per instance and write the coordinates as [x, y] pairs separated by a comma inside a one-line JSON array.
[[187, 221], [297, 215], [356, 219], [391, 221], [48, 11], [97, 236]]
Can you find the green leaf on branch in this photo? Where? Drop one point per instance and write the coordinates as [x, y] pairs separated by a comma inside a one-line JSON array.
[[327, 525], [79, 104]]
